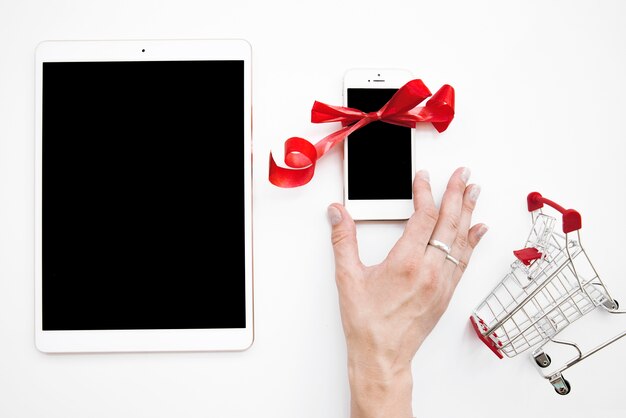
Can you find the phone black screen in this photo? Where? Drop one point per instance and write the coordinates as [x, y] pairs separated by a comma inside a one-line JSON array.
[[138, 215], [379, 154]]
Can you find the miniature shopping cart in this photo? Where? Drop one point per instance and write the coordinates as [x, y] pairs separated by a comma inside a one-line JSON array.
[[551, 284]]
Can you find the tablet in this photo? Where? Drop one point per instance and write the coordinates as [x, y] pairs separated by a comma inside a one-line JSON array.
[[143, 196]]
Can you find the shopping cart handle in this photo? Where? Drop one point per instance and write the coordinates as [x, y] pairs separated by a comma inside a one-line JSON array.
[[571, 218]]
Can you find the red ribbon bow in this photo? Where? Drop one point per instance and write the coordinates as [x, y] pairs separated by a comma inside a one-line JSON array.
[[401, 109]]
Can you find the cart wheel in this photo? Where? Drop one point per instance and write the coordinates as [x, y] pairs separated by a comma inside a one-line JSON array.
[[563, 389], [543, 360], [616, 304]]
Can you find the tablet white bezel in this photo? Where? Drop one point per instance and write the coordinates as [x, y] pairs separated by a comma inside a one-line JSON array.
[[145, 340]]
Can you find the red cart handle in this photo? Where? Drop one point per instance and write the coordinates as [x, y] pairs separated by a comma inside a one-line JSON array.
[[571, 218]]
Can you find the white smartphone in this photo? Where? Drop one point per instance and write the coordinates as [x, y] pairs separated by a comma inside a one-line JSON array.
[[379, 157]]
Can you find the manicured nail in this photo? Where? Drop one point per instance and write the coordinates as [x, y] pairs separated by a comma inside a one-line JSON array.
[[465, 174], [334, 215], [474, 192], [482, 231], [424, 175]]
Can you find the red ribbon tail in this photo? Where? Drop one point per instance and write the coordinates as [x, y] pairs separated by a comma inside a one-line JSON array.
[[300, 157]]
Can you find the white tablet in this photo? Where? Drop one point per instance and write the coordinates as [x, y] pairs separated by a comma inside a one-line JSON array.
[[143, 196]]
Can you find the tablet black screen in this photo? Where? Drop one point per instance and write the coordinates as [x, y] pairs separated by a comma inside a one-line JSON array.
[[142, 195]]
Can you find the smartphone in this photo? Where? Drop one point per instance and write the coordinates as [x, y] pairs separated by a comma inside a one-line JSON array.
[[379, 157]]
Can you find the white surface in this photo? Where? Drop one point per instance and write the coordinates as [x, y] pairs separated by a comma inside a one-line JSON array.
[[540, 88]]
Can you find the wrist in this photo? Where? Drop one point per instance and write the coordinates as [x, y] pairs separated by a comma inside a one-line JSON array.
[[377, 392]]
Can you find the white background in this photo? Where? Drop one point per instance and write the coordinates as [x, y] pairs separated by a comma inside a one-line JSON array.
[[539, 95]]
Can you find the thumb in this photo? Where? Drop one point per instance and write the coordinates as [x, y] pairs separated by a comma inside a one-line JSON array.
[[343, 237]]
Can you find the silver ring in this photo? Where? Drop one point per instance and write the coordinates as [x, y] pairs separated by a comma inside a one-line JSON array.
[[450, 258], [440, 245]]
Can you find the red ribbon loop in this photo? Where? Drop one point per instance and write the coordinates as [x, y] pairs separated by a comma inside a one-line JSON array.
[[402, 109]]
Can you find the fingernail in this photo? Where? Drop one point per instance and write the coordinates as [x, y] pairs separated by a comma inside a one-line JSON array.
[[474, 193], [424, 175], [465, 174], [334, 215], [482, 231]]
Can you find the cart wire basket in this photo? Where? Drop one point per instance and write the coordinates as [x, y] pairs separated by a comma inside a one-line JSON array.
[[551, 284]]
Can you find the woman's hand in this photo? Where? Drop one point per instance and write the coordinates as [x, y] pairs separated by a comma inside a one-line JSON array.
[[388, 309]]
